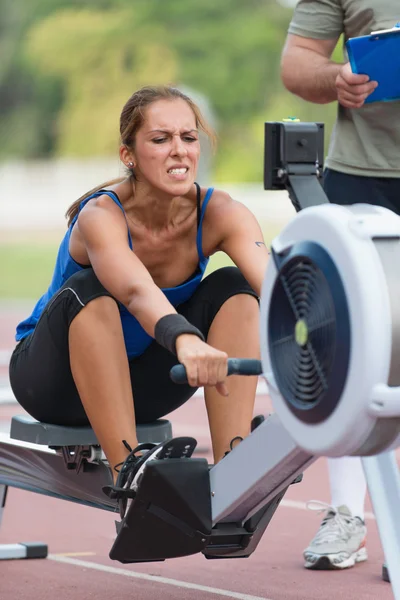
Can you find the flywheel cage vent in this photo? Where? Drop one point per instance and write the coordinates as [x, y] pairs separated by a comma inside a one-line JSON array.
[[302, 332]]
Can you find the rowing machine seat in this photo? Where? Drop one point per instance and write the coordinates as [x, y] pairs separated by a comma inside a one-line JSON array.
[[27, 429]]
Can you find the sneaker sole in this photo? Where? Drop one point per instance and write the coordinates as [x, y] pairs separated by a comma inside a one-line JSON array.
[[327, 561]]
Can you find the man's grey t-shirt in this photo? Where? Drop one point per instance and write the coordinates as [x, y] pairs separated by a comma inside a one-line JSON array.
[[365, 141]]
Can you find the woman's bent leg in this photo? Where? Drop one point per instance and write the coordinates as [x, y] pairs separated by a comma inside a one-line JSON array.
[[225, 309], [100, 369], [73, 368], [235, 330]]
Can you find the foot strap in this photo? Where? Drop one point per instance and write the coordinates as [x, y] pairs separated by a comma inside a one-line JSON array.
[[182, 447]]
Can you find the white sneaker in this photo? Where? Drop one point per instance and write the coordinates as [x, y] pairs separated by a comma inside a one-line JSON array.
[[339, 542]]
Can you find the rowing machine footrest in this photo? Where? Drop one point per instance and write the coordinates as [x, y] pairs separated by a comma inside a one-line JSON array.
[[234, 540], [170, 515], [27, 429]]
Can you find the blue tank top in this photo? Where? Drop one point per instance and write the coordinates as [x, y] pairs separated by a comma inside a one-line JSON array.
[[136, 339]]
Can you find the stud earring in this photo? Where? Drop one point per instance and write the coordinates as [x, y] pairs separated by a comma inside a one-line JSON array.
[[131, 165]]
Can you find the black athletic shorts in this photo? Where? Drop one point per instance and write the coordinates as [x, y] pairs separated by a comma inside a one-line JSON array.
[[40, 372], [344, 189]]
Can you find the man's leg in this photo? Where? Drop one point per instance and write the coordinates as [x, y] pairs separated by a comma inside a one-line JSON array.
[[348, 484], [347, 481], [340, 540]]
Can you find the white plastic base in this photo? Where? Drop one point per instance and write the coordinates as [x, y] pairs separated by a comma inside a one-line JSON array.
[[18, 551]]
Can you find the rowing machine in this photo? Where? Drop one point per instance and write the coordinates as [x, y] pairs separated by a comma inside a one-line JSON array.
[[62, 462], [330, 345]]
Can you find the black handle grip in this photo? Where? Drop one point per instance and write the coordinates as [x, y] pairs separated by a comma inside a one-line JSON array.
[[236, 366]]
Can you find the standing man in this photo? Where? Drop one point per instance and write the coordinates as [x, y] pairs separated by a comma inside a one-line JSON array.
[[363, 165]]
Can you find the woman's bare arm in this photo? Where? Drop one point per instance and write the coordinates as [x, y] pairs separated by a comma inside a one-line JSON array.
[[239, 235], [104, 231], [105, 234]]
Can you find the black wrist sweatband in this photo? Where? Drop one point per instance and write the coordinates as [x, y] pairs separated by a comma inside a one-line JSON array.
[[168, 328]]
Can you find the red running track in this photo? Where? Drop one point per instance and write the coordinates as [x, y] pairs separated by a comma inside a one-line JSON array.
[[80, 538]]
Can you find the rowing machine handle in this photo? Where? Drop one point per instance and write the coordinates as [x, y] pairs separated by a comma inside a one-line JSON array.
[[236, 366]]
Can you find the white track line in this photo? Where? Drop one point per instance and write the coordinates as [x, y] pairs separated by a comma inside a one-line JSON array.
[[153, 578]]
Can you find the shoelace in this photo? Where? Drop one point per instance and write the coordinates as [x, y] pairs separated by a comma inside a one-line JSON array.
[[238, 438], [128, 458], [124, 467], [124, 479], [334, 525]]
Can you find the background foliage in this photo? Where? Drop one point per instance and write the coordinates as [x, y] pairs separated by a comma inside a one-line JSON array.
[[68, 66]]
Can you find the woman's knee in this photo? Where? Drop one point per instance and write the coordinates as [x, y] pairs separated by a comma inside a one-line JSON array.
[[230, 285], [102, 309], [240, 312], [245, 304], [236, 321], [229, 278], [232, 301], [89, 296], [86, 285]]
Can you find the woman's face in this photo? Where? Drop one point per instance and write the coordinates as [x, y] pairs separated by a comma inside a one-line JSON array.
[[167, 147]]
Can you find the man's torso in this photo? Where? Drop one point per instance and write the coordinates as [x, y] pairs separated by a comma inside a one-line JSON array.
[[364, 141]]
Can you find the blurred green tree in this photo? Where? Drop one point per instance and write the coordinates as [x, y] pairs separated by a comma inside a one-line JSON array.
[[101, 62], [73, 63]]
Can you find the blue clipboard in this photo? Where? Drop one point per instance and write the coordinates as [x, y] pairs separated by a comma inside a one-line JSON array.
[[378, 56]]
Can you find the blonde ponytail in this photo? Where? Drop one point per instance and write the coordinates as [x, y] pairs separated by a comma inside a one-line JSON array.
[[74, 208]]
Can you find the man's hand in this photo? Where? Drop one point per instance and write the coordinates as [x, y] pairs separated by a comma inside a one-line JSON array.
[[353, 89]]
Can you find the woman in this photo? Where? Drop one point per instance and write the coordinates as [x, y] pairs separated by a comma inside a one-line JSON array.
[[127, 300]]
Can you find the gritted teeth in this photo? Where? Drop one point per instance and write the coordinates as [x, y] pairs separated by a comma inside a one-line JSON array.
[[180, 171]]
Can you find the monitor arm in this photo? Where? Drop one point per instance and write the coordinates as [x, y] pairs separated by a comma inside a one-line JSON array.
[[293, 160]]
